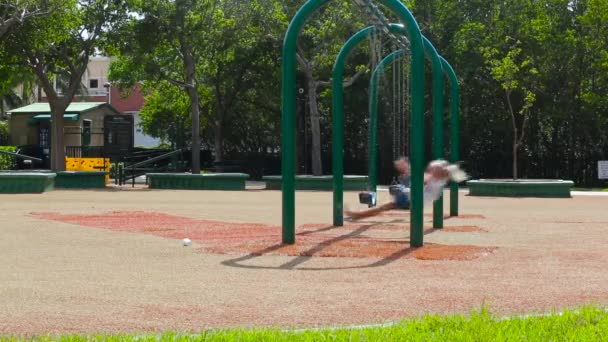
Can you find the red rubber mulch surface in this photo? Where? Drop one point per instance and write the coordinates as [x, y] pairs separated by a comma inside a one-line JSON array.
[[319, 240], [167, 226]]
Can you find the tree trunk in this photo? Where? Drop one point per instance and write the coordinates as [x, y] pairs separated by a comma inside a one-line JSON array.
[[515, 134], [58, 107], [301, 155], [515, 158], [313, 106], [315, 127], [6, 25], [218, 123], [190, 68], [218, 141], [191, 88], [196, 136]]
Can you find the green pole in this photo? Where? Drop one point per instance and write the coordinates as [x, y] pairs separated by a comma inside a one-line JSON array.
[[417, 143], [454, 130], [288, 126], [438, 144], [288, 121], [338, 123]]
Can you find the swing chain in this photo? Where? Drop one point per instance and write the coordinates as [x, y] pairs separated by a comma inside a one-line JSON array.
[[378, 18]]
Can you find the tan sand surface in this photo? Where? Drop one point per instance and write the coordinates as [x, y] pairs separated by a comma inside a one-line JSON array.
[[58, 277]]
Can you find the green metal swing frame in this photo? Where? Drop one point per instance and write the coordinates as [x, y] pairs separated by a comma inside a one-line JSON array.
[[410, 30]]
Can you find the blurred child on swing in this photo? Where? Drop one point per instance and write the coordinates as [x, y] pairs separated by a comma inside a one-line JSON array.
[[436, 177]]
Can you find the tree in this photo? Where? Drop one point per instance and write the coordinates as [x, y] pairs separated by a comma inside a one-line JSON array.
[[514, 73], [16, 82], [57, 47], [15, 12], [4, 132], [318, 45], [17, 86], [166, 112], [162, 33], [232, 61]]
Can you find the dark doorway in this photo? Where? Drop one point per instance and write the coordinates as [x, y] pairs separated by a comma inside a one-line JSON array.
[[44, 142]]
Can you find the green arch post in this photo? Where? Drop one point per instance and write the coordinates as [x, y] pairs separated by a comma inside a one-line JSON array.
[[438, 124], [288, 125], [338, 122], [454, 129]]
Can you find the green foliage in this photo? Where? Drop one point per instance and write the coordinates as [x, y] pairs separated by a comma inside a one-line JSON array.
[[165, 113], [14, 12], [588, 324], [7, 162], [235, 71], [4, 130], [12, 73], [56, 48], [508, 70], [551, 56], [16, 85]]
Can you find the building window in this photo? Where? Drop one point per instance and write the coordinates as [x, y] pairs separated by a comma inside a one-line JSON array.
[[93, 84]]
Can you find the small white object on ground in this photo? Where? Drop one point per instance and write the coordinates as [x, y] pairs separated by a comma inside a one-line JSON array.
[[187, 242]]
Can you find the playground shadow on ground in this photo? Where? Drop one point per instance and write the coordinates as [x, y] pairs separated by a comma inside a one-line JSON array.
[[312, 252]]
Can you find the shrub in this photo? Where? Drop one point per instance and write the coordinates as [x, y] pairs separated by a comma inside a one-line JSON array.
[[4, 133], [7, 162]]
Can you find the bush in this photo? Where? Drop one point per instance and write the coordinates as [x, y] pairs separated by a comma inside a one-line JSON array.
[[4, 134], [7, 162]]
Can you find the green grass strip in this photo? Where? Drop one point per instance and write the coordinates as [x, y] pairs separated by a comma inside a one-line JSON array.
[[587, 324]]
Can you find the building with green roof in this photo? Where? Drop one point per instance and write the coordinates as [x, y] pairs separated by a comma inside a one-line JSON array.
[[84, 126]]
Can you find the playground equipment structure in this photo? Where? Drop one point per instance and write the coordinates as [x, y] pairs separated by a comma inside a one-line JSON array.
[[407, 37]]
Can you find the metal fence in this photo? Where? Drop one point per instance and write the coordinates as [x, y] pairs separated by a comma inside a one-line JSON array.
[[85, 152]]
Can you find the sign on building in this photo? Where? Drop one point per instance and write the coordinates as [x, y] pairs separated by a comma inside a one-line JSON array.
[[602, 169]]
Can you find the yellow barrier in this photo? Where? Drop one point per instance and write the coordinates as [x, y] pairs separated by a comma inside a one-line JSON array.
[[88, 164]]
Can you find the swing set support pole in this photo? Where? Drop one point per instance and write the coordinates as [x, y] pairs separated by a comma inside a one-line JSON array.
[[338, 123], [454, 129], [438, 124], [288, 122]]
